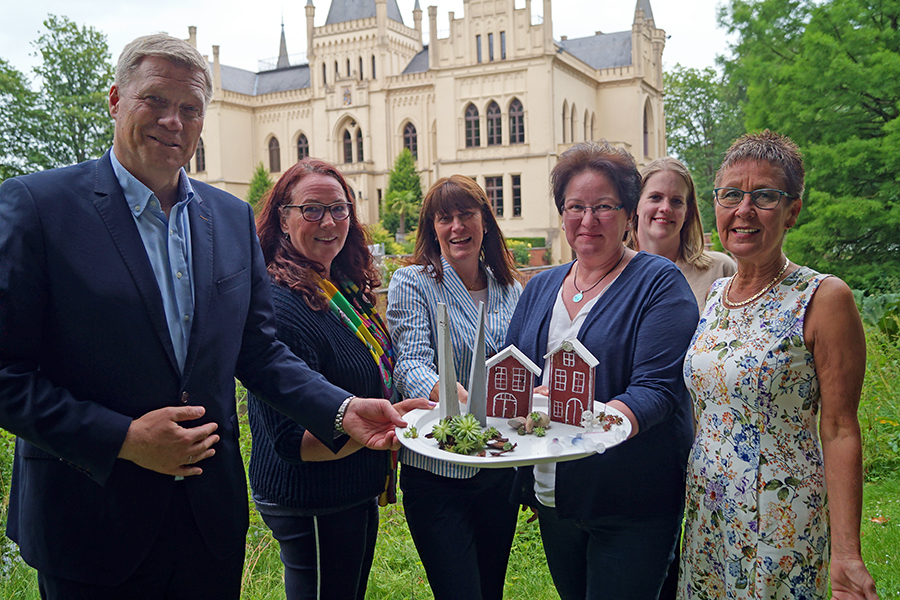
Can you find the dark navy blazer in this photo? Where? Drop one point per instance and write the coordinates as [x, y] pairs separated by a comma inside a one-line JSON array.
[[84, 349]]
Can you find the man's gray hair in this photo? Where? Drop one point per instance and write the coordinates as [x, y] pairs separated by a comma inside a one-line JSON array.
[[173, 49]]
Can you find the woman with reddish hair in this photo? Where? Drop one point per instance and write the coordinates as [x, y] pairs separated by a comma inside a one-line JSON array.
[[322, 507]]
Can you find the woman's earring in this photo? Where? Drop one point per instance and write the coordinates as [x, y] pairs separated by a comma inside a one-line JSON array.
[[287, 236]]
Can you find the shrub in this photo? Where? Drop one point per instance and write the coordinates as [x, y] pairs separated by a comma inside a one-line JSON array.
[[521, 252]]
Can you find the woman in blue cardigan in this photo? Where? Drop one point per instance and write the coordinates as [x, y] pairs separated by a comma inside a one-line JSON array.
[[609, 522], [460, 518]]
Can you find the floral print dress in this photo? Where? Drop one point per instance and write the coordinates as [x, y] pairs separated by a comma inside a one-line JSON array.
[[756, 520]]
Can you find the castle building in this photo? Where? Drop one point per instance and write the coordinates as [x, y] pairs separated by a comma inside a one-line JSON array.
[[498, 99]]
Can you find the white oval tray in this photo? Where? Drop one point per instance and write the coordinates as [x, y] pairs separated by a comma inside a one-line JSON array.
[[562, 442]]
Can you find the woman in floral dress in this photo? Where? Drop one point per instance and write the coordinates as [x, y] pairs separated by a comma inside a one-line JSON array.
[[776, 364]]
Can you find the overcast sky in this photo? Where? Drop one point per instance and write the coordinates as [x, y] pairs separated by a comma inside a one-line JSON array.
[[248, 31]]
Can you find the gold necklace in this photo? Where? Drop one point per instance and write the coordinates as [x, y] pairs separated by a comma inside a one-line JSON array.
[[758, 294], [577, 297]]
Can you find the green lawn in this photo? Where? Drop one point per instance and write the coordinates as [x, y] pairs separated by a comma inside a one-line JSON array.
[[398, 574]]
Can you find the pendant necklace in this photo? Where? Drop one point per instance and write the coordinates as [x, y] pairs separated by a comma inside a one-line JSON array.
[[755, 296], [578, 297]]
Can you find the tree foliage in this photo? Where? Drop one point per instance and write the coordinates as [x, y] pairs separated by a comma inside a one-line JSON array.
[[403, 197], [260, 183], [825, 73], [19, 123], [703, 116], [67, 120], [76, 74]]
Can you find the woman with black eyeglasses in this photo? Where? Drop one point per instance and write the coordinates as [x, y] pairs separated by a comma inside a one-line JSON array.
[[776, 364], [609, 522], [321, 507]]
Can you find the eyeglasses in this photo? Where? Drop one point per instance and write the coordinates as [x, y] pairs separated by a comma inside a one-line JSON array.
[[601, 211], [314, 212], [765, 199]]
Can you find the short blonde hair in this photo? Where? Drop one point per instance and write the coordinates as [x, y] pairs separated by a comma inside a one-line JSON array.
[[173, 49]]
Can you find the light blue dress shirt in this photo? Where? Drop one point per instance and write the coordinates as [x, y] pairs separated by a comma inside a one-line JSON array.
[[168, 245]]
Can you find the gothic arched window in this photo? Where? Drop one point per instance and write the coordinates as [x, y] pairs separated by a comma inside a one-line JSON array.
[[274, 156], [473, 129]]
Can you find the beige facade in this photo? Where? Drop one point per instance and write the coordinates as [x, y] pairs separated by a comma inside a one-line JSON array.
[[498, 99]]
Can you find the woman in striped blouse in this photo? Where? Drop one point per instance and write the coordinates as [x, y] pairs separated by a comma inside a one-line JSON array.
[[460, 518]]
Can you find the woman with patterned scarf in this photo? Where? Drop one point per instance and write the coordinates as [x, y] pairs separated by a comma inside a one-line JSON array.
[[322, 507]]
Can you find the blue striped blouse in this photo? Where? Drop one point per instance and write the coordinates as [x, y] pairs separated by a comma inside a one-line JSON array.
[[413, 296]]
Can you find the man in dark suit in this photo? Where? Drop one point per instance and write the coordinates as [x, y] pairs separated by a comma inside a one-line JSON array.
[[130, 298]]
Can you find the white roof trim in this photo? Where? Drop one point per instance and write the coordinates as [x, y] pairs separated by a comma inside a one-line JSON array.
[[578, 348]]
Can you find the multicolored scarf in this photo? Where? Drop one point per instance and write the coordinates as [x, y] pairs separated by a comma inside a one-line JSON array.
[[354, 311], [360, 317]]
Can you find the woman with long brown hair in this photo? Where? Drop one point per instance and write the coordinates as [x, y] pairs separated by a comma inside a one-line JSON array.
[[460, 517]]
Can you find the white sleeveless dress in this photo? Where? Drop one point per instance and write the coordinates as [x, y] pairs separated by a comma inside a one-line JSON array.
[[756, 519]]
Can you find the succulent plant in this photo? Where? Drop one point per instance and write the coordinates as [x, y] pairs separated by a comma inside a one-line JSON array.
[[412, 432], [441, 431], [540, 431], [466, 427], [466, 446]]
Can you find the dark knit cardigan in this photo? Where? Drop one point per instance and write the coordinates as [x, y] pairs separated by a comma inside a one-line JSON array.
[[277, 473]]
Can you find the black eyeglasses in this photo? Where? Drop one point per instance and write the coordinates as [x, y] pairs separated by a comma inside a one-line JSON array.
[[314, 212], [766, 199]]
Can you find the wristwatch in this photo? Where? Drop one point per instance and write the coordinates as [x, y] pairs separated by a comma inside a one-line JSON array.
[[339, 417]]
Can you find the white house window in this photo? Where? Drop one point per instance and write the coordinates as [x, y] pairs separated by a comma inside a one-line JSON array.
[[578, 382], [568, 359], [558, 410], [559, 379], [518, 382], [500, 378]]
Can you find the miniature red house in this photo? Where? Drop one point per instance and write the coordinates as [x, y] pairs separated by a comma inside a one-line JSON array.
[[571, 381], [510, 384]]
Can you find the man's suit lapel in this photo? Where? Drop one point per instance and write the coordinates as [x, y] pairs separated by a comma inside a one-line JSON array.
[[109, 200], [200, 217]]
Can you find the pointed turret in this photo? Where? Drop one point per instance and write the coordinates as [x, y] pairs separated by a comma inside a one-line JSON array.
[[644, 6], [417, 20], [310, 30], [283, 62]]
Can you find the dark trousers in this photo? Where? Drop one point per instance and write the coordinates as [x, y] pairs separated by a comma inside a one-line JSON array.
[[178, 566], [327, 557], [670, 586], [615, 557], [463, 530]]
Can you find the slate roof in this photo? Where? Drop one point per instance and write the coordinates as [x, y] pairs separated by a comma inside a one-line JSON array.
[[601, 51], [342, 11], [267, 82], [419, 63]]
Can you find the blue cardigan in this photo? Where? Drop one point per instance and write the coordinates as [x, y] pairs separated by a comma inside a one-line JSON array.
[[639, 330]]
